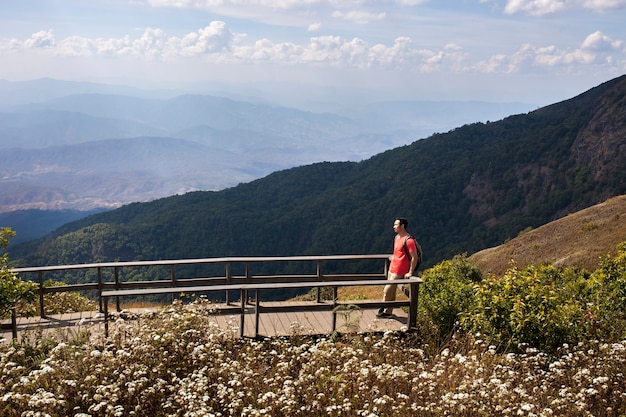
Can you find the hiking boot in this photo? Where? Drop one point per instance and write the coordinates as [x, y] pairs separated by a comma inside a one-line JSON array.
[[381, 313]]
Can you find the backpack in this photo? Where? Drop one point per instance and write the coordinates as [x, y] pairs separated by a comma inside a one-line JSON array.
[[419, 251]]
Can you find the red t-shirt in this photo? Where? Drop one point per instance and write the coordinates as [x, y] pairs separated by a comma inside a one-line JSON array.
[[401, 260]]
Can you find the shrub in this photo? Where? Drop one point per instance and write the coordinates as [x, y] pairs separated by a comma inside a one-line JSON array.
[[540, 306], [448, 290], [59, 303], [608, 317], [13, 290]]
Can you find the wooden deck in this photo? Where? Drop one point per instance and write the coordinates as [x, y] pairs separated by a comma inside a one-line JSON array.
[[270, 324]]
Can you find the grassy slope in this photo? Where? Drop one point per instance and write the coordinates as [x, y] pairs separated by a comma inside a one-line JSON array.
[[578, 240]]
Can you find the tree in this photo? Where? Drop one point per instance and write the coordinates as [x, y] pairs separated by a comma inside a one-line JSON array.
[[12, 289]]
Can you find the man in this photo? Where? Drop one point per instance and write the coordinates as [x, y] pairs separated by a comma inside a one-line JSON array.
[[404, 261]]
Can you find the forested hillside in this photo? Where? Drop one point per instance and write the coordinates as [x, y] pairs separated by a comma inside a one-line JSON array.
[[462, 191]]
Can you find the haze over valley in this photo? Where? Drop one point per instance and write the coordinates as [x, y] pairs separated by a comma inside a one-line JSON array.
[[85, 146]]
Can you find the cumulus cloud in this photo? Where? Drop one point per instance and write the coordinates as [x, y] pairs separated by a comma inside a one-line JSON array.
[[545, 7], [211, 39], [599, 42], [218, 44], [42, 39], [359, 16], [596, 49], [153, 43], [314, 27], [210, 4], [534, 7], [410, 2], [272, 4], [604, 5]]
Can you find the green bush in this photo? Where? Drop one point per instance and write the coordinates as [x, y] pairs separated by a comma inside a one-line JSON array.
[[540, 306], [607, 319], [58, 302], [448, 290], [13, 291]]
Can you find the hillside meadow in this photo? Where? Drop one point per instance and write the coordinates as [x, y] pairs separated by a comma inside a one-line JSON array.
[[579, 240]]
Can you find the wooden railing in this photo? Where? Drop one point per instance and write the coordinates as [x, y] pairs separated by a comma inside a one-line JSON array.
[[241, 283]]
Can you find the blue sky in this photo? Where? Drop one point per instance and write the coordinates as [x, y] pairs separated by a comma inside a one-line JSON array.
[[534, 51]]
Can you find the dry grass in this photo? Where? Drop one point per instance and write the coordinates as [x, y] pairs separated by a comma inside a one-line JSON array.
[[577, 240], [365, 293]]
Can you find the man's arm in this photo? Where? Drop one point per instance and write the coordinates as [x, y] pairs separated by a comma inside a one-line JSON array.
[[413, 265]]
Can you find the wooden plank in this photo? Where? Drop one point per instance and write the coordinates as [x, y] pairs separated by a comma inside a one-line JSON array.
[[297, 323], [253, 259], [325, 319], [316, 320], [271, 324], [251, 287], [283, 330], [347, 283]]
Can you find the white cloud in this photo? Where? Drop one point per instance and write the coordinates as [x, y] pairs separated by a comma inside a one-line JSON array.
[[604, 5], [272, 4], [545, 7], [359, 17], [599, 42], [314, 27], [216, 43], [410, 2], [596, 49], [210, 4], [78, 46], [534, 7], [211, 39], [42, 39], [265, 50], [153, 44]]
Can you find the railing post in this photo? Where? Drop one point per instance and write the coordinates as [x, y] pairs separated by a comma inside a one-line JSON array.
[[414, 297], [257, 312], [228, 281], [42, 312], [319, 278], [106, 317], [173, 278], [14, 323], [242, 321], [100, 287], [335, 308], [117, 287], [244, 293]]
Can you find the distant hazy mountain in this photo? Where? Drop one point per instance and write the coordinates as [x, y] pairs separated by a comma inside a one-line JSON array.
[[66, 145], [106, 173]]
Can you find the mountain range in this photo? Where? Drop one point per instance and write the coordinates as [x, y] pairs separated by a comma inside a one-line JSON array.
[[80, 146], [471, 188]]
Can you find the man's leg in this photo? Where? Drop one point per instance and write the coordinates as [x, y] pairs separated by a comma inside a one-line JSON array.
[[389, 293]]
